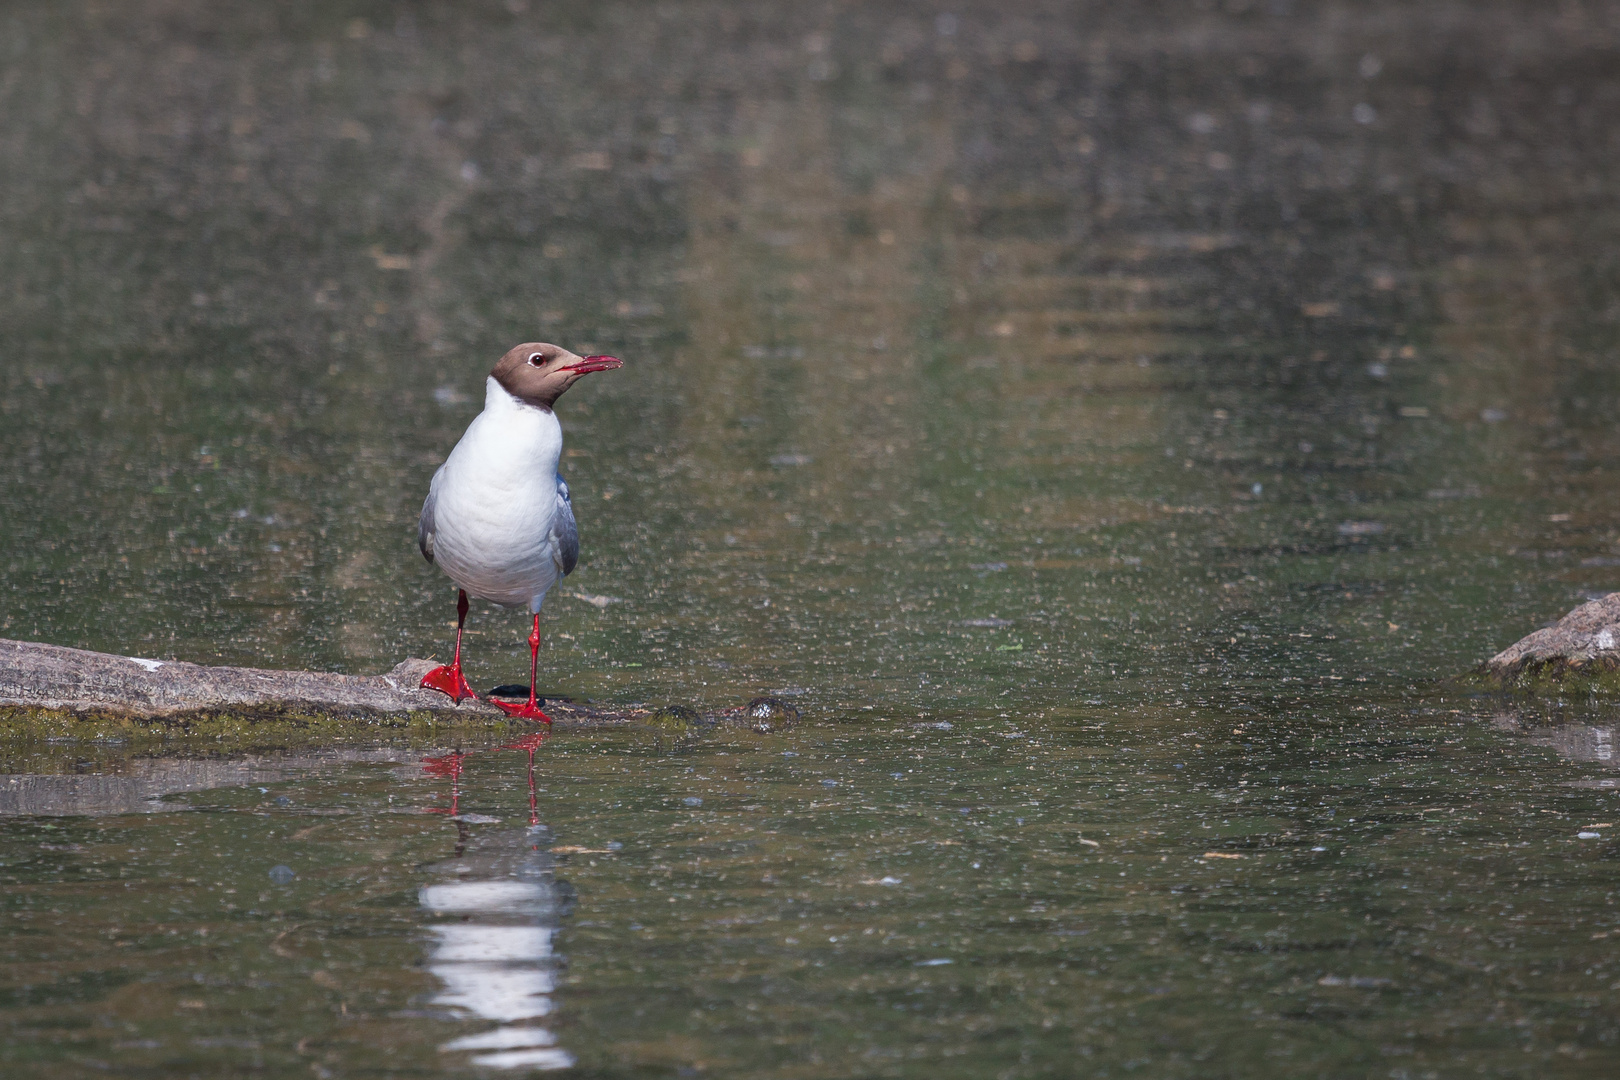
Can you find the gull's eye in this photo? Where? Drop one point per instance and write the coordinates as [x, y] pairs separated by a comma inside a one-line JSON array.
[[537, 359]]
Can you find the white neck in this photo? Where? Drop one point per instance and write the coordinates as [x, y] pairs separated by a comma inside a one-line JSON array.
[[497, 398]]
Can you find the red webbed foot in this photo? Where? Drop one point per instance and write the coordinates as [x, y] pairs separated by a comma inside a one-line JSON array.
[[449, 680], [527, 710]]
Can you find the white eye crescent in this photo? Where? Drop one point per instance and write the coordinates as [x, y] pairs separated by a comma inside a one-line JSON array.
[[537, 359]]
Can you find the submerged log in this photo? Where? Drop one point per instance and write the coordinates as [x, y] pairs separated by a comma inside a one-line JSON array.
[[1584, 642], [39, 681], [137, 783]]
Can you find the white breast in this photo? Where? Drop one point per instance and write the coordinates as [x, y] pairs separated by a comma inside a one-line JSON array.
[[495, 499]]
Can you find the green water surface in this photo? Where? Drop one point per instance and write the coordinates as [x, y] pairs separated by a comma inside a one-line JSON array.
[[1111, 425]]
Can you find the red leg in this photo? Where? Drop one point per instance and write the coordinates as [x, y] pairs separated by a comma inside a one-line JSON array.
[[531, 711], [449, 680]]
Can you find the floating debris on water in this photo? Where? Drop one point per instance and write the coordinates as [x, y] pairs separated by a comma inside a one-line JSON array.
[[594, 599], [768, 713], [678, 718], [1360, 982]]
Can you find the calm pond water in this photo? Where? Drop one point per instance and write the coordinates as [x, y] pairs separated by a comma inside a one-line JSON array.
[[1112, 425]]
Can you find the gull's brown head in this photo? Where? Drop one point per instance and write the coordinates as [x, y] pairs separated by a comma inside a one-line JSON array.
[[538, 373]]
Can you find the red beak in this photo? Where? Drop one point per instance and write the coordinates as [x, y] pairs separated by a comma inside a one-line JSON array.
[[588, 364]]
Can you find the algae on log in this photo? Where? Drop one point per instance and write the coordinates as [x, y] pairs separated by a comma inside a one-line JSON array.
[[50, 689], [1585, 642]]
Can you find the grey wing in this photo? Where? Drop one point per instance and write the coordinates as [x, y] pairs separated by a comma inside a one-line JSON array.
[[425, 527], [565, 530]]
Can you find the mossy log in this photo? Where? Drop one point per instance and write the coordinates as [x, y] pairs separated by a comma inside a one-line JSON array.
[[1584, 644], [47, 688]]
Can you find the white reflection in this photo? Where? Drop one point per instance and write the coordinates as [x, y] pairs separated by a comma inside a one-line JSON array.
[[485, 896], [495, 992], [496, 960], [1561, 729], [503, 1039], [466, 943], [534, 1059]]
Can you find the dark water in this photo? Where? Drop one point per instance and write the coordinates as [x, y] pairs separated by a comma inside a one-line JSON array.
[[1110, 424]]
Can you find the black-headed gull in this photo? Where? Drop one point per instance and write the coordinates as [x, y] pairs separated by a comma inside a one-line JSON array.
[[497, 517]]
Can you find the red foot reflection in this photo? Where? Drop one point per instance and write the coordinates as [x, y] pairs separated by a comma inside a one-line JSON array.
[[531, 743], [447, 765]]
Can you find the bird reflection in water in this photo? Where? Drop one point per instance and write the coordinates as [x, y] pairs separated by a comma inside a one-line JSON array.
[[449, 766], [531, 742], [494, 952]]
